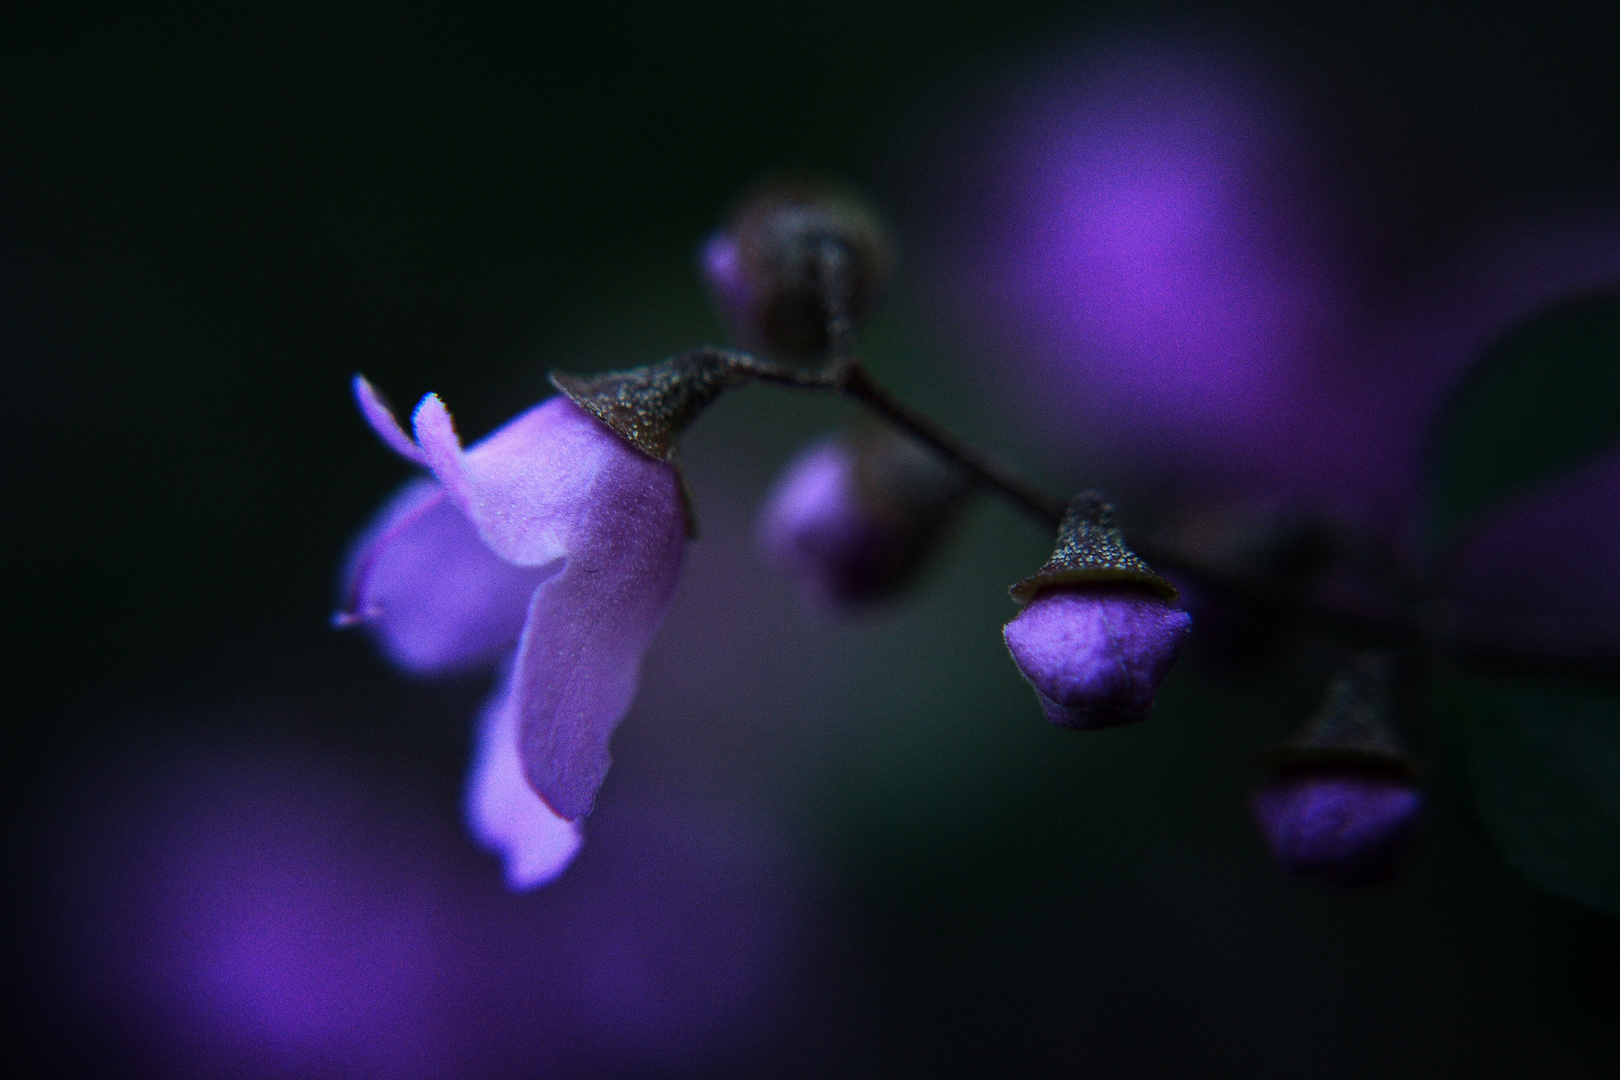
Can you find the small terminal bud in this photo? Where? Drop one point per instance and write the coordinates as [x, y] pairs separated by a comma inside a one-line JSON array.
[[1343, 796], [1099, 634], [786, 249], [852, 518]]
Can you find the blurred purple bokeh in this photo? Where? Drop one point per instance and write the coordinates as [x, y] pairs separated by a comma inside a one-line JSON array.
[[249, 907], [1163, 267]]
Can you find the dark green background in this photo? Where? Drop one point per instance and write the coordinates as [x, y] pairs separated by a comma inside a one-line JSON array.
[[211, 216]]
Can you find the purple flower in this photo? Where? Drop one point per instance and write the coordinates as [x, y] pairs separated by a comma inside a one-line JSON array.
[[1132, 226], [553, 537], [850, 519], [1096, 653], [1144, 232], [1347, 826], [230, 907]]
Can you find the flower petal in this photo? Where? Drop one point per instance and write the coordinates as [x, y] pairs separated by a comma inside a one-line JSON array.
[[1096, 654], [503, 811], [382, 421], [525, 487], [579, 660], [433, 594]]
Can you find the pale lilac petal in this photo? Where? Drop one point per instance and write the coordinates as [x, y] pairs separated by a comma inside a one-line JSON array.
[[427, 587], [529, 486], [382, 421], [1096, 654], [579, 661], [502, 809]]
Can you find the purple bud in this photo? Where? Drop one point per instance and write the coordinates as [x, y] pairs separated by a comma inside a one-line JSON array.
[[1348, 826], [1096, 653], [851, 519], [1343, 794], [721, 263], [770, 268]]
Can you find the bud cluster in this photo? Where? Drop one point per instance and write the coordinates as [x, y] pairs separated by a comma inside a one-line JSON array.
[[564, 535]]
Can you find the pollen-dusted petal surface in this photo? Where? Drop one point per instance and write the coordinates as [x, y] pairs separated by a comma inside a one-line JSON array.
[[530, 487], [436, 598], [1349, 828], [1096, 653], [579, 659], [504, 812]]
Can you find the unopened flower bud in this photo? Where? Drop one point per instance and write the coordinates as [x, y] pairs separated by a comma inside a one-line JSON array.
[[782, 253], [1343, 796], [852, 518], [1099, 633]]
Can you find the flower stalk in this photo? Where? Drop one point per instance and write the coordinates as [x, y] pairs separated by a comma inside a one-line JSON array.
[[1407, 626]]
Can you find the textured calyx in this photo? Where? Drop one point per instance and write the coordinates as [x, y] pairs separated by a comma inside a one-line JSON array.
[[1090, 549], [1350, 731], [649, 406]]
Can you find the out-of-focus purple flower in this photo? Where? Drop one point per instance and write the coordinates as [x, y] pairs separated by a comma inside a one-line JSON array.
[[553, 536], [1146, 231], [1134, 229], [849, 520], [237, 909], [1096, 654], [1192, 293], [1349, 827]]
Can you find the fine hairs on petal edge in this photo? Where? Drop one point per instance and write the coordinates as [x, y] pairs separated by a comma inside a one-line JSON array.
[[382, 420]]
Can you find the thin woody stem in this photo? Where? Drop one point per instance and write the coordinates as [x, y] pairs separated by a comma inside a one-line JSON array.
[[1463, 642], [849, 377]]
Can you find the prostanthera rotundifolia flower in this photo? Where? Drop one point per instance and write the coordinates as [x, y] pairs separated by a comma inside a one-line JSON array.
[[767, 267], [1099, 633], [553, 544], [852, 517], [1343, 796]]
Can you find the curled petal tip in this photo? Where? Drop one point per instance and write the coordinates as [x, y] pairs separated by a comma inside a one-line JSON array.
[[441, 446], [381, 418]]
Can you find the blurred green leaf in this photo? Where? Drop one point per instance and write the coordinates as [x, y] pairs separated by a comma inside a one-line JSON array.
[[1543, 770], [1546, 395]]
